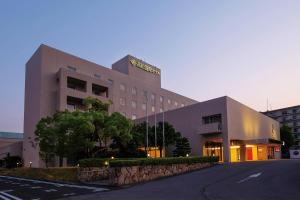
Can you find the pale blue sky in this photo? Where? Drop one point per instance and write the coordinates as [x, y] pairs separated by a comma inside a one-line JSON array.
[[249, 50]]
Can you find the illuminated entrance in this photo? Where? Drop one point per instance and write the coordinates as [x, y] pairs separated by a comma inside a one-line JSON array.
[[213, 149], [239, 151]]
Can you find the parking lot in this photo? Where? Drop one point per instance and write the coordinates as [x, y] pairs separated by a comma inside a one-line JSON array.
[[12, 188]]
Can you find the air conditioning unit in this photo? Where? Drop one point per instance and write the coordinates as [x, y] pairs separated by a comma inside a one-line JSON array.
[[295, 152]]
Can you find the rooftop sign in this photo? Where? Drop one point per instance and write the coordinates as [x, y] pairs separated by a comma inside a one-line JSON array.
[[144, 66]]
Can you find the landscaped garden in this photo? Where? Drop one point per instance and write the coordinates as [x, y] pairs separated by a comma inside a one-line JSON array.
[[98, 145]]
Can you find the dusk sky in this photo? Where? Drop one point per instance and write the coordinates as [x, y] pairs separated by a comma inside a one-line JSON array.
[[248, 50]]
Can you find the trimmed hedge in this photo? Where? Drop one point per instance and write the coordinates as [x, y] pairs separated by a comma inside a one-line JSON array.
[[51, 174], [100, 162]]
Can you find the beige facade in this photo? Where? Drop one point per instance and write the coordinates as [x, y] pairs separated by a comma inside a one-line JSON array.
[[56, 81], [226, 128]]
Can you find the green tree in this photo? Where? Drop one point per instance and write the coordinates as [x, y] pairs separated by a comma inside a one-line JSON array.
[[287, 137], [171, 135], [182, 147], [119, 128], [66, 134]]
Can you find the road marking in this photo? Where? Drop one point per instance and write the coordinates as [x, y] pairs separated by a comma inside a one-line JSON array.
[[4, 198], [249, 177], [9, 195], [36, 187], [51, 190], [95, 189], [69, 194]]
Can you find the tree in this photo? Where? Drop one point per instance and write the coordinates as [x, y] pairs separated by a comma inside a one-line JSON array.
[[171, 135], [119, 128], [66, 134], [182, 147], [287, 137]]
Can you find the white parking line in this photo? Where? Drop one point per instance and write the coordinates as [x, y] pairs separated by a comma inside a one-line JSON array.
[[36, 187], [95, 189], [69, 194], [4, 198], [4, 193], [51, 190]]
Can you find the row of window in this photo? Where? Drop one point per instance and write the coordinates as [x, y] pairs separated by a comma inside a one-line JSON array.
[[143, 105], [284, 112]]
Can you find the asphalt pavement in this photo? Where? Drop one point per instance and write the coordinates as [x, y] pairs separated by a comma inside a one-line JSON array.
[[274, 180], [12, 188]]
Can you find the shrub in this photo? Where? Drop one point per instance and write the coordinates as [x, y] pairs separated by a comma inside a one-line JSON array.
[[162, 161], [120, 162], [51, 174], [12, 161]]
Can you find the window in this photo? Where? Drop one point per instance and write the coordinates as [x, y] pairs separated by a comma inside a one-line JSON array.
[[182, 105], [76, 84], [294, 110], [72, 68], [175, 103], [212, 119], [74, 103], [110, 82], [122, 87], [153, 109], [161, 99], [133, 104], [145, 94], [152, 97], [99, 90], [169, 101], [133, 117], [284, 112], [97, 76], [161, 110], [133, 91], [122, 101], [144, 106]]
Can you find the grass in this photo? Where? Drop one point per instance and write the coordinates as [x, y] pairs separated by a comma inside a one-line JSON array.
[[68, 174]]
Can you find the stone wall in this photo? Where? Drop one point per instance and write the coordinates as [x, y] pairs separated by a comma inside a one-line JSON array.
[[136, 174], [88, 174]]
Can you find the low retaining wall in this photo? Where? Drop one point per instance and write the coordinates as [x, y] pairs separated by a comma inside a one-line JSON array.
[[88, 174], [136, 174]]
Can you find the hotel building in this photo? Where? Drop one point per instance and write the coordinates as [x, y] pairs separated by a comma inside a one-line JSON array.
[[56, 81], [289, 116]]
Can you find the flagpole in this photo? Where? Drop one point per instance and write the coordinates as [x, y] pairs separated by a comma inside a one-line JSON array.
[[163, 115], [147, 121], [155, 136]]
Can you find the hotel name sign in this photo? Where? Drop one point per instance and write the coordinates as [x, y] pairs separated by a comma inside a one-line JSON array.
[[144, 67]]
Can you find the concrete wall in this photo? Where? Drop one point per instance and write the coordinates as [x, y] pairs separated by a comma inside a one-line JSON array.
[[188, 120], [245, 123], [239, 122]]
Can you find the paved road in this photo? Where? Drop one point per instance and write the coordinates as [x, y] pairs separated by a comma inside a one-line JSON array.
[[17, 189], [275, 180]]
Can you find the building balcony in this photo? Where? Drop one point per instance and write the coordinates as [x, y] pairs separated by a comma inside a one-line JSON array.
[[210, 128]]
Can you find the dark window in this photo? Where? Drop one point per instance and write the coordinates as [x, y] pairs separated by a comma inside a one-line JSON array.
[[212, 119], [74, 103], [100, 90], [97, 75], [76, 84], [72, 68]]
